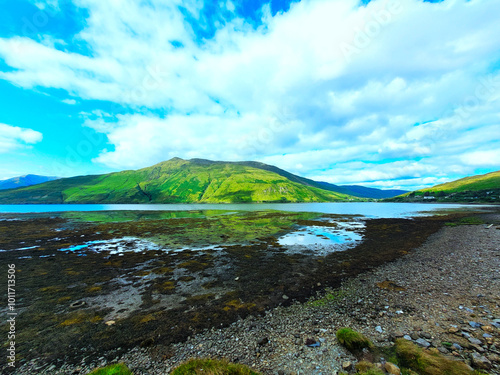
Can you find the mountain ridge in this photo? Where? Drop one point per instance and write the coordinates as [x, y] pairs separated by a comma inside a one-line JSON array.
[[175, 181], [483, 188], [25, 180]]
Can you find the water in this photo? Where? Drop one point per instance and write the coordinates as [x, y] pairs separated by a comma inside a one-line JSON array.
[[366, 209]]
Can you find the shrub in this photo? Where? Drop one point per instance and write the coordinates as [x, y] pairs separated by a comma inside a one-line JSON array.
[[352, 340]]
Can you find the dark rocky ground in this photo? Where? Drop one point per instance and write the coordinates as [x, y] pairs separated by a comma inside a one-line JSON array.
[[443, 294]]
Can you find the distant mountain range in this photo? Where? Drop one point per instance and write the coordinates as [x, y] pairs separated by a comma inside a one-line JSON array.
[[27, 180], [483, 188], [191, 181]]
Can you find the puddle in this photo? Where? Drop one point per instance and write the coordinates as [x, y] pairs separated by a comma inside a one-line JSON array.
[[343, 233]]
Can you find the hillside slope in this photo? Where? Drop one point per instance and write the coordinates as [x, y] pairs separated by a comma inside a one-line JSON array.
[[175, 181], [479, 188]]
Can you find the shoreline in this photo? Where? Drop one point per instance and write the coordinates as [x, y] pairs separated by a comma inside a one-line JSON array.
[[442, 284]]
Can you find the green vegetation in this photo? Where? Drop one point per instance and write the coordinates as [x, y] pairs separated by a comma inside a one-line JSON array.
[[469, 220], [330, 296], [428, 362], [118, 369], [212, 367], [411, 359], [481, 188], [352, 340], [175, 181]]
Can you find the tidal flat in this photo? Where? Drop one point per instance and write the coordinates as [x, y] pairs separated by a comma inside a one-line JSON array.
[[89, 283]]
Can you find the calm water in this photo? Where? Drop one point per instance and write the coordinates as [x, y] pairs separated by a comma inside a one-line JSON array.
[[367, 209]]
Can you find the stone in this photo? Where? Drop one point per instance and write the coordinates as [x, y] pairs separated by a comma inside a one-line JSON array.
[[110, 322], [347, 365], [456, 346], [263, 341], [407, 337], [423, 343], [453, 330], [475, 341], [480, 362], [425, 335], [487, 328], [379, 329], [493, 357], [475, 324], [392, 369]]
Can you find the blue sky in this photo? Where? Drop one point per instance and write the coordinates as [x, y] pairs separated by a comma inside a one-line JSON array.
[[386, 93]]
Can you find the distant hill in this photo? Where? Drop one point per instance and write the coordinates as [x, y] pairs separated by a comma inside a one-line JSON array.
[[22, 181], [177, 181], [354, 190], [480, 188]]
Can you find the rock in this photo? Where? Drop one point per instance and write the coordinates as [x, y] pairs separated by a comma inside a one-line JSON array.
[[379, 329], [443, 350], [425, 335], [475, 324], [263, 341], [487, 328], [285, 297], [480, 362], [414, 336], [392, 369], [110, 322], [406, 337], [347, 366], [475, 341], [453, 330], [457, 346], [493, 357], [477, 348], [423, 343], [312, 343]]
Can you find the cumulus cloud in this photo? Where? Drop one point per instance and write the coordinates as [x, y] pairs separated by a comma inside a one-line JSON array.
[[13, 137], [393, 92]]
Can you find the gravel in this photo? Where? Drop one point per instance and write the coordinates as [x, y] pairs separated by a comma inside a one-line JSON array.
[[447, 287]]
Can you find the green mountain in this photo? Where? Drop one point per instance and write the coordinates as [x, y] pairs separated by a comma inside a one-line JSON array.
[[176, 181], [479, 188]]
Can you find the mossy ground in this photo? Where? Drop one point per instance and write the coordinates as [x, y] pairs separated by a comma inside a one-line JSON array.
[[117, 369], [247, 273], [411, 359], [353, 340], [212, 367]]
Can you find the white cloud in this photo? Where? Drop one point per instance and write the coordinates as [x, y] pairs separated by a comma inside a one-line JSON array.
[[69, 101], [13, 137], [289, 92]]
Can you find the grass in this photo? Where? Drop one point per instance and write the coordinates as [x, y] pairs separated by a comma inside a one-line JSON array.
[[352, 340], [470, 220], [212, 367], [117, 369], [428, 362], [331, 296]]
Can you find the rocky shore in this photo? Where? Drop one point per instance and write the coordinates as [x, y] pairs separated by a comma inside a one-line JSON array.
[[445, 294]]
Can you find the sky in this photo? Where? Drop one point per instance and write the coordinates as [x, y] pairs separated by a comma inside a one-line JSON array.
[[383, 93]]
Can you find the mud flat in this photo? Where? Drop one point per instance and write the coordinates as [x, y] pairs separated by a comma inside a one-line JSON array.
[[414, 277]]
